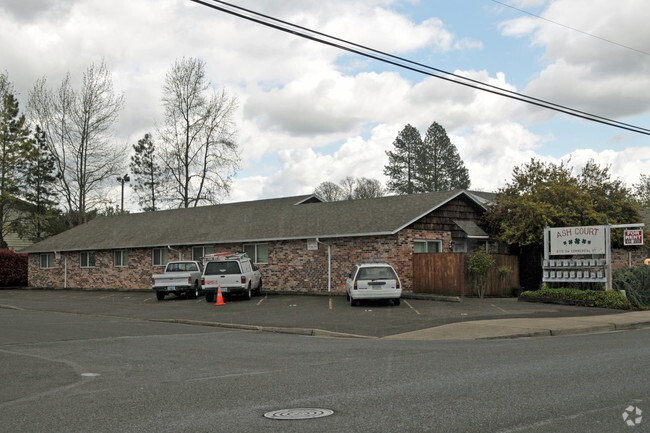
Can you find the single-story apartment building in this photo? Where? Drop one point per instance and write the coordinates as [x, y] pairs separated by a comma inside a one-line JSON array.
[[301, 243]]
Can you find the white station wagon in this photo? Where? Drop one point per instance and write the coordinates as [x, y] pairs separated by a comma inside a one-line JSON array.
[[373, 281]]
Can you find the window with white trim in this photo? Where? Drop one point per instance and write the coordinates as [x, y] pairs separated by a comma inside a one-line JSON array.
[[159, 257], [259, 253], [120, 258], [199, 252], [87, 259], [427, 246], [47, 260]]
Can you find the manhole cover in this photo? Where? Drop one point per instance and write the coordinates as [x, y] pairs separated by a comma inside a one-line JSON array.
[[301, 413]]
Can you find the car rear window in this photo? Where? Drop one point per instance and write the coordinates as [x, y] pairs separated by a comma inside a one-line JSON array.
[[376, 273], [222, 268], [181, 267]]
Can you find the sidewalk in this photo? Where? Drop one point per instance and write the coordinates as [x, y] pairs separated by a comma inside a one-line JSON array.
[[538, 327]]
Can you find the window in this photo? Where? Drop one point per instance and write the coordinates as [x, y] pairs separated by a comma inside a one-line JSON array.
[[427, 246], [259, 253], [460, 246], [120, 258], [222, 268], [199, 252], [47, 260], [88, 259], [159, 256]]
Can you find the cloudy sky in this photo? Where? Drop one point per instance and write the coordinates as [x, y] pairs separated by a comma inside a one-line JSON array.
[[309, 113]]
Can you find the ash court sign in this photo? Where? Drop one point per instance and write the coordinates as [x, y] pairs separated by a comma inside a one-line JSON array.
[[577, 240]]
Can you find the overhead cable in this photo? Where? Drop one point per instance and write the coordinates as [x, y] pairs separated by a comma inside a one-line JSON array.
[[404, 63]]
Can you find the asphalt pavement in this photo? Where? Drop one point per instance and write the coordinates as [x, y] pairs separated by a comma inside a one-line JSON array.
[[417, 318]]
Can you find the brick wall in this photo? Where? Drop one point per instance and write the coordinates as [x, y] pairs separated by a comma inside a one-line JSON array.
[[291, 266]]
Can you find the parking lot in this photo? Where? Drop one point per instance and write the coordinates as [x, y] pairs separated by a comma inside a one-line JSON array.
[[331, 314]]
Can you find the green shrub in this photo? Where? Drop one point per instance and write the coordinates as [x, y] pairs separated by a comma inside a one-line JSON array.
[[636, 283], [600, 298]]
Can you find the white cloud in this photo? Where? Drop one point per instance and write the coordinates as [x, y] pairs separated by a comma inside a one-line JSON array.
[[588, 72], [324, 113]]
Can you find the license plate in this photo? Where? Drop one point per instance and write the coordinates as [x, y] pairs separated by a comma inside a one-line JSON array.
[[171, 288]]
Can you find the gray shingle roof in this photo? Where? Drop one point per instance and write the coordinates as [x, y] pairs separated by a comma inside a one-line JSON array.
[[252, 221]]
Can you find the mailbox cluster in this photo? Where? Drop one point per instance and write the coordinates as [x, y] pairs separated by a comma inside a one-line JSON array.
[[581, 270]]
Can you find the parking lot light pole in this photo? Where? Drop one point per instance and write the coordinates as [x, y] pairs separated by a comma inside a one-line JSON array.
[[126, 178]]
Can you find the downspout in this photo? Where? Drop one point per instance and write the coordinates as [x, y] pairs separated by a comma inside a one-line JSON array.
[[329, 265], [65, 268], [180, 256]]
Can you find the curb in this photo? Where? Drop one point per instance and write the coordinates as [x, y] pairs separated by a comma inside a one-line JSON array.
[[274, 329]]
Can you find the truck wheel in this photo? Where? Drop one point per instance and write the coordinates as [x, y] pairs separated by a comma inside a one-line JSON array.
[[195, 292], [258, 291], [209, 296], [396, 301], [352, 302], [160, 295]]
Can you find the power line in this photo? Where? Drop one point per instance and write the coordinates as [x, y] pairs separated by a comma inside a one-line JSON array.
[[404, 63], [571, 28]]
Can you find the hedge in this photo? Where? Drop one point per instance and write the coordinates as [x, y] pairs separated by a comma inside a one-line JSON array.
[[599, 298], [13, 269]]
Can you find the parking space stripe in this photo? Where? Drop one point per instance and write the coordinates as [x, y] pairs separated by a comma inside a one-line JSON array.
[[499, 308], [262, 300], [411, 306], [330, 303]]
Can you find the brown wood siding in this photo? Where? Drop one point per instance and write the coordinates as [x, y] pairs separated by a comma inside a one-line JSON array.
[[446, 274], [442, 218]]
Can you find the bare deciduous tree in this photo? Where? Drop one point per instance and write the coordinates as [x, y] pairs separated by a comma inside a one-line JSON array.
[[350, 188], [329, 191], [78, 131], [197, 135]]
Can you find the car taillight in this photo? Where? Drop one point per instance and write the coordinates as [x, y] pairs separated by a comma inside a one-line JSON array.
[[189, 280], [397, 284], [243, 279], [203, 281], [153, 282], [355, 285]]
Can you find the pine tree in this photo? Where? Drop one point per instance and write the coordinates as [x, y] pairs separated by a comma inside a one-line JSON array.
[[148, 177], [14, 136], [40, 216], [438, 166], [401, 168]]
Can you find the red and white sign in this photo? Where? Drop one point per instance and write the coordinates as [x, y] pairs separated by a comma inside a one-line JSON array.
[[633, 237]]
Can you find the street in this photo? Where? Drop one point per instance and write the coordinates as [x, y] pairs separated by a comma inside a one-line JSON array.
[[91, 372]]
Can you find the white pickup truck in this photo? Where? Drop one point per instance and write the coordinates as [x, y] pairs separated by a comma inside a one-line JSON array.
[[179, 277], [230, 273]]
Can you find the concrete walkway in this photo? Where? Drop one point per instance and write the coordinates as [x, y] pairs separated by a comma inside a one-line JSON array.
[[538, 327]]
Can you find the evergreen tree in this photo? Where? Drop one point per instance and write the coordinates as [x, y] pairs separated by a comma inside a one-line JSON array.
[[14, 137], [148, 176], [438, 165], [401, 168], [40, 216]]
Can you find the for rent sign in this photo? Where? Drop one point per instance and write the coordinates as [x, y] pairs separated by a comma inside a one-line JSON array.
[[633, 237], [577, 240]]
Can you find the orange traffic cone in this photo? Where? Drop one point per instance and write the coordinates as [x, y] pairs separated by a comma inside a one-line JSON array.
[[219, 298]]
